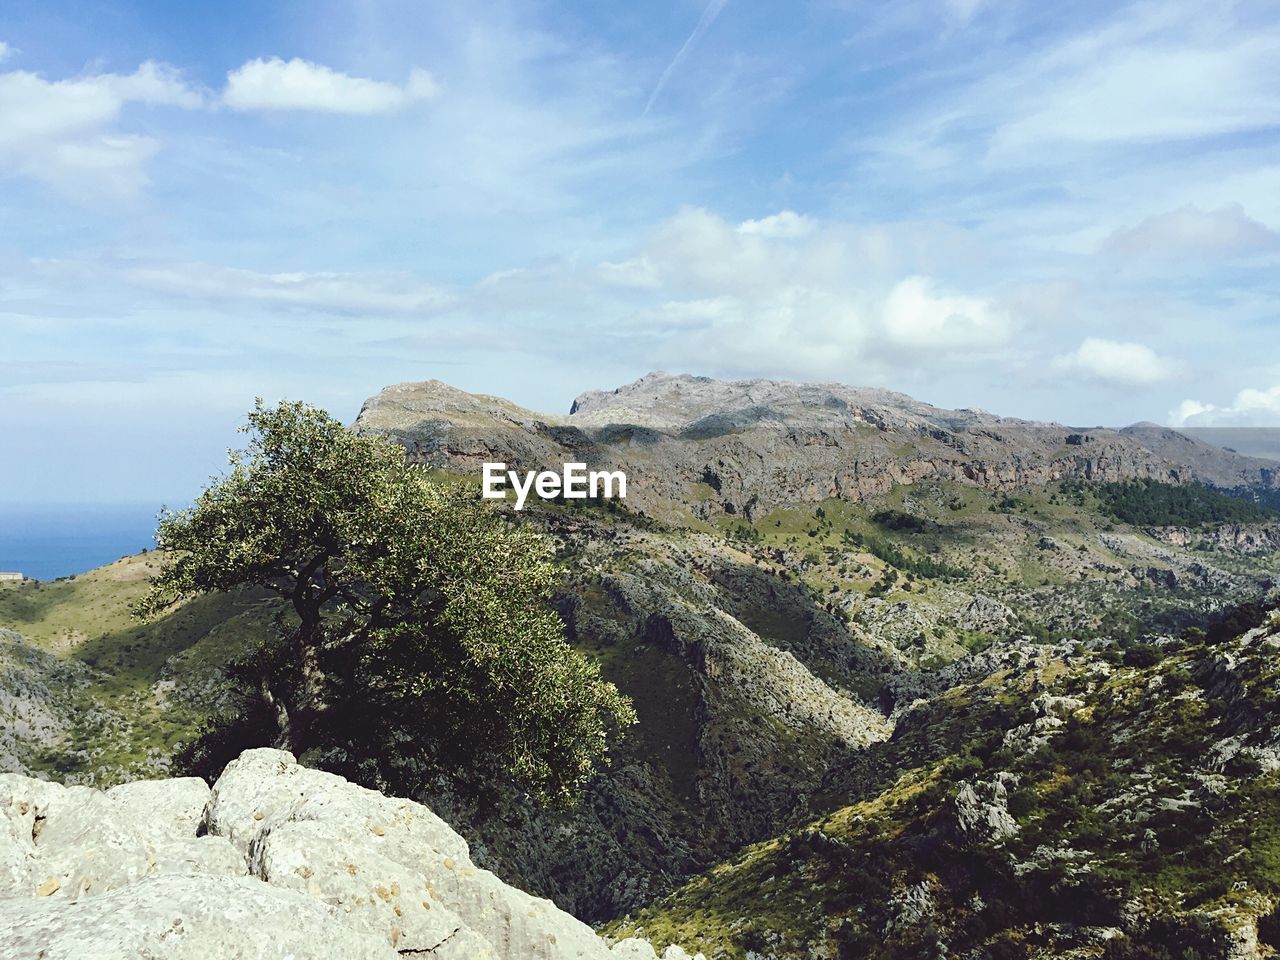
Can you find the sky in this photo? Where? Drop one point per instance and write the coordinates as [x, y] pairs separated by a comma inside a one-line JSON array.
[[1067, 212]]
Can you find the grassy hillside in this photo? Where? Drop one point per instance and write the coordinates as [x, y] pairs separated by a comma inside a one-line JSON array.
[[1095, 810], [150, 685]]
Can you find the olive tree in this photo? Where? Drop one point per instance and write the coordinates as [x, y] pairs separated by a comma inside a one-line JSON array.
[[417, 618]]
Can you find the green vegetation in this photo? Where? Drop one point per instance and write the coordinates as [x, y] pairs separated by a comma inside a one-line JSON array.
[[1152, 503], [149, 686], [1122, 809], [898, 520], [416, 614], [907, 563]]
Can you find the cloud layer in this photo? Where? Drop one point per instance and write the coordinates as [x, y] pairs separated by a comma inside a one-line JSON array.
[[1116, 363], [296, 84], [67, 133], [1068, 217], [1190, 231]]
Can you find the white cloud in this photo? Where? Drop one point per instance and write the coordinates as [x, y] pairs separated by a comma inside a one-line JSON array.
[[1187, 411], [6, 51], [1190, 230], [1157, 74], [1136, 75], [786, 223], [371, 293], [1117, 363], [915, 316], [793, 294], [66, 132], [296, 84], [1252, 407]]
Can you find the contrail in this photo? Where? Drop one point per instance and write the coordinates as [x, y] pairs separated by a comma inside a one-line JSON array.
[[704, 24]]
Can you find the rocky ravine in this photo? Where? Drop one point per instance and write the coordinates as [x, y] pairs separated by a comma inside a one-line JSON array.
[[277, 860]]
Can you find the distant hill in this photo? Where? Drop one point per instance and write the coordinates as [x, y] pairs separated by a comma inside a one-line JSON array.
[[1261, 442]]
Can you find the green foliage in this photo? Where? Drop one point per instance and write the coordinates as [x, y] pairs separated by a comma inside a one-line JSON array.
[[1009, 504], [1141, 655], [898, 520], [419, 616], [908, 563], [1152, 503]]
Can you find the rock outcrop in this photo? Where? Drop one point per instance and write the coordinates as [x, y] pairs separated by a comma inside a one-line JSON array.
[[276, 860], [1252, 538]]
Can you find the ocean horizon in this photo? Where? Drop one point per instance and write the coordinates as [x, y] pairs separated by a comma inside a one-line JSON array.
[[46, 541]]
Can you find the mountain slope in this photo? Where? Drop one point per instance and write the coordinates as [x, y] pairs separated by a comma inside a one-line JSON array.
[[793, 566], [1091, 808]]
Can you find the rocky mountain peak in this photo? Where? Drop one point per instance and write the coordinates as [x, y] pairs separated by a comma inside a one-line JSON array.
[[665, 401]]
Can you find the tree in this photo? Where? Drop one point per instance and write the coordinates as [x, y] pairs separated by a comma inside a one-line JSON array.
[[416, 629]]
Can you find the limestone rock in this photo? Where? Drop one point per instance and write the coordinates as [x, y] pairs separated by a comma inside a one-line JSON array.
[[276, 811], [982, 811], [171, 808], [158, 869], [634, 948], [183, 918]]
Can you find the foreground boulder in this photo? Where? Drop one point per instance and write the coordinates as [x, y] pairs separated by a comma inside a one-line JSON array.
[[276, 860]]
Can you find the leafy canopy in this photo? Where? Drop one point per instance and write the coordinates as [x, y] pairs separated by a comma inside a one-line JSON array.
[[1149, 502], [418, 635]]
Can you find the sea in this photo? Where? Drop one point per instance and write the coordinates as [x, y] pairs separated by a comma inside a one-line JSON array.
[[48, 541]]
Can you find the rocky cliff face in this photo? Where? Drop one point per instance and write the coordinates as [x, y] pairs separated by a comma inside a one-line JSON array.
[[748, 446], [275, 861]]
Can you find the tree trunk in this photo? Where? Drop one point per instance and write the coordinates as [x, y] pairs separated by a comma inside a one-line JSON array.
[[284, 721], [297, 710]]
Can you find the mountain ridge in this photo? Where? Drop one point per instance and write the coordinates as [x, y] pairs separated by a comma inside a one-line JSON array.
[[766, 443]]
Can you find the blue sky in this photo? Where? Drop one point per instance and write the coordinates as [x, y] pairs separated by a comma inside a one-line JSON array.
[[1066, 212]]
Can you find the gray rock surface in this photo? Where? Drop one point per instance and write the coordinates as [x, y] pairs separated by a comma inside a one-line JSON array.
[[982, 809], [183, 918], [277, 860]]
